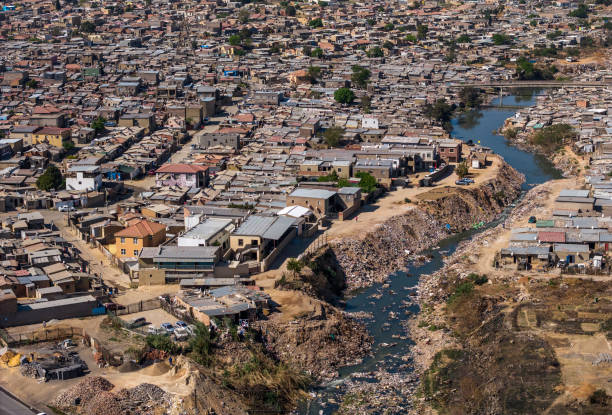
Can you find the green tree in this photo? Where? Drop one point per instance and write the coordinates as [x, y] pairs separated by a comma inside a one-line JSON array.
[[470, 97], [68, 145], [440, 111], [360, 76], [234, 40], [317, 53], [162, 342], [201, 344], [314, 73], [294, 266], [526, 70], [290, 10], [411, 38], [316, 23], [32, 83], [388, 27], [375, 52], [88, 27], [367, 182], [366, 104], [501, 39], [58, 6], [98, 125], [344, 95], [50, 179], [333, 135], [581, 12], [243, 16], [553, 136], [464, 39], [422, 31], [388, 45], [462, 169]]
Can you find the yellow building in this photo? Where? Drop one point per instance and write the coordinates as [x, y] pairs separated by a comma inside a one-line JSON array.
[[129, 241], [55, 136]]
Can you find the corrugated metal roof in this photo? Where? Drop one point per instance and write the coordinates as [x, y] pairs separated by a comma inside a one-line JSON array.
[[312, 193], [255, 225], [278, 228]]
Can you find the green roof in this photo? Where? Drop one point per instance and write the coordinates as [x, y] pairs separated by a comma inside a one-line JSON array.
[[545, 224]]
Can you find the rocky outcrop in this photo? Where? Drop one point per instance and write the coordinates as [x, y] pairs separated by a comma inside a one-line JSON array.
[[392, 244], [318, 344]]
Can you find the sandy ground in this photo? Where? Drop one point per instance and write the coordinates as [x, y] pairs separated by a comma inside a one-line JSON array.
[[394, 203], [155, 317], [292, 304], [31, 391], [144, 293]]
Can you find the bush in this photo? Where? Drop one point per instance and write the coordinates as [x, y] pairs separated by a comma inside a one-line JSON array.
[[552, 137], [461, 290], [344, 96], [478, 279], [50, 179], [162, 342]]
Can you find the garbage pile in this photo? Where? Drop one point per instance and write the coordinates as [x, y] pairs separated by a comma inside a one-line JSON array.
[[93, 396], [319, 346], [387, 248], [82, 392]]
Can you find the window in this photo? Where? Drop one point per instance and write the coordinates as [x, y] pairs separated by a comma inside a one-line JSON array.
[[135, 252], [339, 169], [451, 150], [122, 240], [254, 242], [123, 252], [240, 242], [135, 240]]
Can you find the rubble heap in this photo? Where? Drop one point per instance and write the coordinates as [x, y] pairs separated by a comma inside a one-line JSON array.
[[318, 345]]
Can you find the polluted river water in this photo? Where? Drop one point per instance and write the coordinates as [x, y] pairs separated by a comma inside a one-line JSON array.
[[390, 305]]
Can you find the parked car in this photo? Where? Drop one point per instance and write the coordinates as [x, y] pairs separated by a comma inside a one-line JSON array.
[[532, 219], [66, 208], [138, 322], [181, 324], [168, 327], [181, 333], [461, 182], [152, 329], [468, 180]]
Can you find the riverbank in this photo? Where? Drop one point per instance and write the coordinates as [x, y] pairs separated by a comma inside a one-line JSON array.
[[389, 246], [501, 341]]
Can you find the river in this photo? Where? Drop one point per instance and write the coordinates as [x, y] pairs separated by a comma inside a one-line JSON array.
[[391, 309]]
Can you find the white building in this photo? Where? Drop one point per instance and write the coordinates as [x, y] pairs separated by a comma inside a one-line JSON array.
[[84, 178], [211, 232]]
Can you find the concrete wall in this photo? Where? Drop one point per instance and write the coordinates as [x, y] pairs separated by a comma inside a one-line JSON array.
[[151, 276], [38, 316], [267, 261]]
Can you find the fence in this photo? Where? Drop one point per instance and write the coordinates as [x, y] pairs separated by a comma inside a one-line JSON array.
[[315, 245], [585, 271], [147, 305], [42, 335]]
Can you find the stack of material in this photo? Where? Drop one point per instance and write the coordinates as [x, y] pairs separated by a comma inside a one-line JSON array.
[[10, 359], [82, 392]]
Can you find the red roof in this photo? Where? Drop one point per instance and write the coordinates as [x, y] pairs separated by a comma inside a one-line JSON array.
[[141, 229], [181, 168], [558, 237]]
